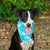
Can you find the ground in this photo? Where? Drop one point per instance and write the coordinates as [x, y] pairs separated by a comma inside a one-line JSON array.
[[41, 33]]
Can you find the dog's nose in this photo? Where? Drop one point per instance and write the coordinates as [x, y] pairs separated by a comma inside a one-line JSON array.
[[28, 24]]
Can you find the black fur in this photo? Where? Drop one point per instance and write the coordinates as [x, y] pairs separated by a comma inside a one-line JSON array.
[[15, 42], [22, 13]]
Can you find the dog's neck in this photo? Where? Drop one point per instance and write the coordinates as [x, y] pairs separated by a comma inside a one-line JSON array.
[[24, 36]]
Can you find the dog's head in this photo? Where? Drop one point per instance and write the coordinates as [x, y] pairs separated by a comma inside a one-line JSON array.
[[27, 15]]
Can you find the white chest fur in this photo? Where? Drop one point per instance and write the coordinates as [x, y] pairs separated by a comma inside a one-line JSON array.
[[25, 46]]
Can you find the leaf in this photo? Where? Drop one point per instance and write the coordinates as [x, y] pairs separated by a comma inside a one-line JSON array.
[[43, 17]]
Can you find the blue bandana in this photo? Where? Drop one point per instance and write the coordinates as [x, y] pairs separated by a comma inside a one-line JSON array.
[[24, 36]]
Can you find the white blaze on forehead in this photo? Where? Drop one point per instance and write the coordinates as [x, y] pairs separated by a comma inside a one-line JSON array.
[[29, 18], [28, 15]]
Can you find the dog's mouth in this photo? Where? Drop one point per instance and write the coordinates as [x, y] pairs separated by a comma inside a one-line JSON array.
[[28, 29]]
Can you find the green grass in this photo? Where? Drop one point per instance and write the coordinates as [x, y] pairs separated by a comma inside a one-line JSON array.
[[48, 32], [40, 48], [1, 48], [48, 49], [34, 48]]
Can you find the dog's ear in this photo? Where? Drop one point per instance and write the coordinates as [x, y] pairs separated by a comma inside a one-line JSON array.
[[17, 12], [36, 11]]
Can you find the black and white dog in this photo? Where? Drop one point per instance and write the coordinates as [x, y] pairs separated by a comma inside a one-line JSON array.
[[26, 16]]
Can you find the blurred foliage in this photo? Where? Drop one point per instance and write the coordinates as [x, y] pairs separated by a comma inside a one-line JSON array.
[[7, 7]]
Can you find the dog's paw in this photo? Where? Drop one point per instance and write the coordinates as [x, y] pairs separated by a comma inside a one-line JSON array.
[[30, 43], [24, 46]]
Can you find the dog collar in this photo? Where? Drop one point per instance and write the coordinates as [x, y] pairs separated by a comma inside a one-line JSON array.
[[24, 36]]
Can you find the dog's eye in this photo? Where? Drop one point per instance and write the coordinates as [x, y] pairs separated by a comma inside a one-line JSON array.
[[25, 15], [31, 16], [23, 18]]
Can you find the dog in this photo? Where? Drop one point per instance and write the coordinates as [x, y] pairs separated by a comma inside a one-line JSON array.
[[26, 16]]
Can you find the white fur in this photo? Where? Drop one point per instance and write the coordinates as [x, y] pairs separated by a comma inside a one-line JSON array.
[[29, 20], [31, 42], [25, 46]]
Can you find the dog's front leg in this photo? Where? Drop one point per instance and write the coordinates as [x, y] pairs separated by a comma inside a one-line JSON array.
[[32, 48], [24, 46]]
